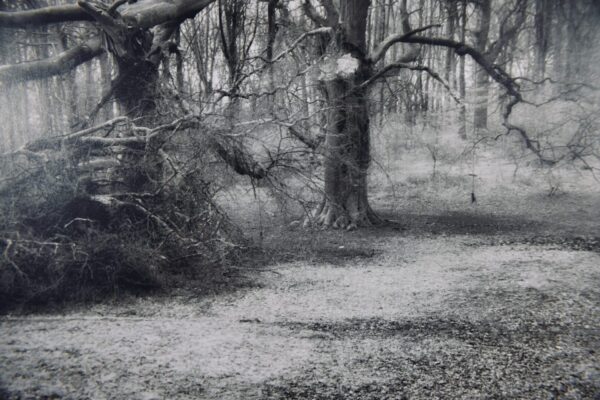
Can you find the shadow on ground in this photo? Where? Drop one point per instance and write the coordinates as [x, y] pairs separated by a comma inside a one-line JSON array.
[[460, 223], [512, 355], [282, 244]]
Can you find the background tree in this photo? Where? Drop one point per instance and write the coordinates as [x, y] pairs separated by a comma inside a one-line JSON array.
[[328, 80]]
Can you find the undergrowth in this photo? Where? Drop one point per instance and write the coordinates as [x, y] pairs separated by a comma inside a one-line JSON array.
[[60, 244]]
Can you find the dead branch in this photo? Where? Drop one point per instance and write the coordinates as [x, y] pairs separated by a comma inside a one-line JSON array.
[[44, 15], [500, 76], [401, 65], [380, 50], [52, 66], [113, 202], [147, 14], [54, 143], [314, 32]]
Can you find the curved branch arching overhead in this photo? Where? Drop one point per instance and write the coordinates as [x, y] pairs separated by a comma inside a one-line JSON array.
[[57, 65], [43, 16], [143, 13], [140, 16]]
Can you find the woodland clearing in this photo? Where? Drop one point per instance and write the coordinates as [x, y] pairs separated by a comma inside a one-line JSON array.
[[478, 301]]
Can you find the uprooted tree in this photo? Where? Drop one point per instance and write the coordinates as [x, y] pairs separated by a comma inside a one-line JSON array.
[[139, 36], [77, 197]]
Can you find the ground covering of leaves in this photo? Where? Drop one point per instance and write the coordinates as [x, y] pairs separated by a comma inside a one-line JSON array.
[[463, 304]]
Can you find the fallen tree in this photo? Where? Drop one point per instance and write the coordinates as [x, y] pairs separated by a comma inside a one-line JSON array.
[[71, 221]]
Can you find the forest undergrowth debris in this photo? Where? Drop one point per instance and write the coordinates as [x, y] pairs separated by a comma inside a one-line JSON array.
[[64, 239]]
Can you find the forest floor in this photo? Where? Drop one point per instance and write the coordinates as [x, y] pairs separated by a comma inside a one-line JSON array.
[[500, 299]]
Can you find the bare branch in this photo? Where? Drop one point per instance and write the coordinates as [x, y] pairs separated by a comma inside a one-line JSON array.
[[497, 73], [401, 65], [500, 76], [309, 142], [45, 15], [312, 13], [144, 14], [56, 65], [317, 31], [507, 33], [380, 50], [239, 160], [111, 201]]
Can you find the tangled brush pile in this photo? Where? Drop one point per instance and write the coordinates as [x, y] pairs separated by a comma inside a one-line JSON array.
[[64, 239]]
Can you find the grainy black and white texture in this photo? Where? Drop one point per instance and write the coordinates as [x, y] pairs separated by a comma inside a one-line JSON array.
[[299, 199]]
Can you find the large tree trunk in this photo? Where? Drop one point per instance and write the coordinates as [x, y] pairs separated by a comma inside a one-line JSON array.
[[137, 54], [136, 90], [347, 159], [136, 94], [347, 149]]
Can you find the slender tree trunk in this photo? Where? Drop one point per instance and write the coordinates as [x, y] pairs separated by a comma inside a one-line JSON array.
[[379, 36], [480, 118], [271, 36], [543, 23], [450, 67], [462, 85], [90, 92], [481, 76], [179, 79], [105, 74], [23, 98], [69, 83], [47, 109], [573, 65]]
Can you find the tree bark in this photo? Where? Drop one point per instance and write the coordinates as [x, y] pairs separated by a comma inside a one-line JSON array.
[[347, 144], [142, 14]]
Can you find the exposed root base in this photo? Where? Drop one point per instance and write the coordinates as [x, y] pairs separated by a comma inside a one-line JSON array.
[[329, 215]]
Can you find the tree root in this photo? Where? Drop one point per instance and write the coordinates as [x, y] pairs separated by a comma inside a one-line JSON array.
[[330, 215]]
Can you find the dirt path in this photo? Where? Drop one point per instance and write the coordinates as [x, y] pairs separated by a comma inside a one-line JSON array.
[[424, 317]]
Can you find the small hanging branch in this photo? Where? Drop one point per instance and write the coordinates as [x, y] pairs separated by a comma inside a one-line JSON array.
[[473, 198]]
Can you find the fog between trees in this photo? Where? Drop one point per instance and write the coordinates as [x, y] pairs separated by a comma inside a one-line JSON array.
[[124, 119]]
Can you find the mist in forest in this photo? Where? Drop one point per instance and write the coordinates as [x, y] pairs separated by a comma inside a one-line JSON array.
[[299, 199]]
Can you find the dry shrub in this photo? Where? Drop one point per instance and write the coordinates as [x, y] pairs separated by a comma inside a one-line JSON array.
[[59, 243]]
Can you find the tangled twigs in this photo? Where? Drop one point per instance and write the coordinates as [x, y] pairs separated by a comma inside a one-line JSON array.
[[5, 253]]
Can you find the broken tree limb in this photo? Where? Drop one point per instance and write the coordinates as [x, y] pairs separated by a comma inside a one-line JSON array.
[[114, 203], [52, 66], [44, 15], [54, 143]]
